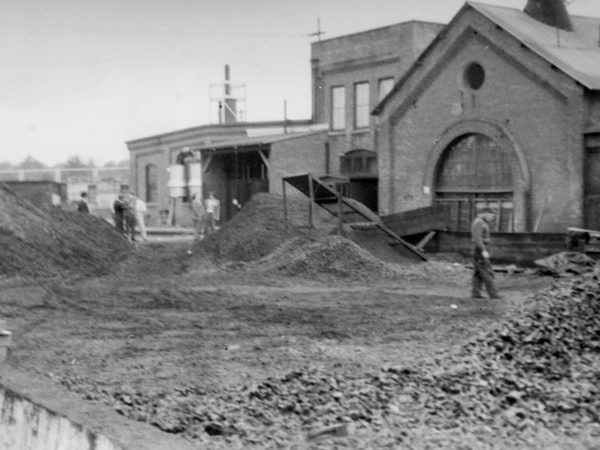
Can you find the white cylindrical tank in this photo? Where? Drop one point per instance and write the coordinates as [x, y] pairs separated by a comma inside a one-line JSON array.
[[195, 178], [176, 182]]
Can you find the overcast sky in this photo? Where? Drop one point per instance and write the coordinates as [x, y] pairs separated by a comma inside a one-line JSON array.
[[82, 77]]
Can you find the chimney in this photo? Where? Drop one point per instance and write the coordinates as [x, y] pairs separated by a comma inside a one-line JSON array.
[[230, 104], [550, 12]]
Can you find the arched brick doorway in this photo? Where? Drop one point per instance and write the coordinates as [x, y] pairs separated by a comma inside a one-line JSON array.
[[474, 172]]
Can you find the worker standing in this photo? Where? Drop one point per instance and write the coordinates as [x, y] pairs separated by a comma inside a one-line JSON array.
[[82, 206], [212, 207], [482, 269], [140, 208], [199, 213]]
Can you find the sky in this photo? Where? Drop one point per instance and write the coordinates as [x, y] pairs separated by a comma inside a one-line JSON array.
[[83, 77]]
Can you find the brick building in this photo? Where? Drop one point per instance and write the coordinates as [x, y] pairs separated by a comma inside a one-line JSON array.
[[238, 159], [351, 74], [501, 110]]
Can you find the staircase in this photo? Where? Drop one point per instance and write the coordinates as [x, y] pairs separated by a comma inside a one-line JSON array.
[[347, 210]]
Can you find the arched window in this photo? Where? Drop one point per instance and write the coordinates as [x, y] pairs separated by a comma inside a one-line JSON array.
[[151, 183], [359, 163], [475, 172]]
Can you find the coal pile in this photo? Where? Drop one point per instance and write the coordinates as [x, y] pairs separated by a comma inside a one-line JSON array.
[[36, 243], [330, 255], [565, 264], [260, 227], [538, 373]]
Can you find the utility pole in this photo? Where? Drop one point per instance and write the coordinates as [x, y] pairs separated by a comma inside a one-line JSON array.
[[318, 33]]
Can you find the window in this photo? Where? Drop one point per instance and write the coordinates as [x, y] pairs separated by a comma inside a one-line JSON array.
[[151, 184], [384, 88], [359, 163], [361, 105], [476, 172], [474, 76], [338, 108]]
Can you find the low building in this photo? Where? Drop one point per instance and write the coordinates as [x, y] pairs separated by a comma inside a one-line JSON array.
[[167, 169], [502, 110]]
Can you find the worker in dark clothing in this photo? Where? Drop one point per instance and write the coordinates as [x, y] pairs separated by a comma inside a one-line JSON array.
[[130, 219], [119, 208], [482, 269], [82, 206]]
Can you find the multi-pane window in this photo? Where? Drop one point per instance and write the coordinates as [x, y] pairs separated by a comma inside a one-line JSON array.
[[338, 108], [384, 87], [151, 183], [361, 105], [359, 163]]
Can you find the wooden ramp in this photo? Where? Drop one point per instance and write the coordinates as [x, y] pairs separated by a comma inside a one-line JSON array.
[[420, 220], [347, 210]]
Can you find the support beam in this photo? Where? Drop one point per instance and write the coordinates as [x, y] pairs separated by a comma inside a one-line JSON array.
[[207, 164], [311, 196], [285, 212], [264, 158]]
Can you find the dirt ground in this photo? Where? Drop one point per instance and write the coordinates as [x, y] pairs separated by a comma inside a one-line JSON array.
[[168, 326], [270, 334]]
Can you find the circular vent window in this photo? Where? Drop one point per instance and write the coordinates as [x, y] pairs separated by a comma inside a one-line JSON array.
[[474, 76]]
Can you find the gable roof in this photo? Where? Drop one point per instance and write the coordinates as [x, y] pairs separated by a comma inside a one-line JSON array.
[[576, 53]]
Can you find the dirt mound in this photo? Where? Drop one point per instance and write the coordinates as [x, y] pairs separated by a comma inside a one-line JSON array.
[[331, 255], [260, 227], [36, 243]]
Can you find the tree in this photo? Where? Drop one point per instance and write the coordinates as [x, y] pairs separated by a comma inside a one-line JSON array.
[[122, 163], [5, 165], [73, 162], [31, 163]]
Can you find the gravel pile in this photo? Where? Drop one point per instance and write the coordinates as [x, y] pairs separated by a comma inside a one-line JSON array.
[[536, 375], [330, 255], [260, 227], [36, 243]]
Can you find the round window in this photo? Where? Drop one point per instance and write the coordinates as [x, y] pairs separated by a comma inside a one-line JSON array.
[[474, 76]]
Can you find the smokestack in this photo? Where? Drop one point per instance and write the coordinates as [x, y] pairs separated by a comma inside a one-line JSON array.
[[550, 12], [230, 103]]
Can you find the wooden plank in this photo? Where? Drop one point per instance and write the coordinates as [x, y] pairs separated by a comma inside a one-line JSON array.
[[423, 242]]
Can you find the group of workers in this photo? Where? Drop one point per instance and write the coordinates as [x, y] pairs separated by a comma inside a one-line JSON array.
[[129, 212], [206, 214]]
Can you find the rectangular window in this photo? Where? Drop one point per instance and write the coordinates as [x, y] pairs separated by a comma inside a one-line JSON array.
[[338, 108], [361, 105], [384, 88]]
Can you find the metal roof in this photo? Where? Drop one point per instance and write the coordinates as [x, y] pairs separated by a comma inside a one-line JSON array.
[[576, 53], [255, 141]]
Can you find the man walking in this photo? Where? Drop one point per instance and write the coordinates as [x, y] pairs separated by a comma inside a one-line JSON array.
[[482, 269]]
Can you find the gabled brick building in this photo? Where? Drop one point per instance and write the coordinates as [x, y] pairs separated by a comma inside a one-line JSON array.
[[501, 110]]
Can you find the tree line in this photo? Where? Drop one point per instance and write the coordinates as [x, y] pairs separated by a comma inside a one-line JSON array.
[[72, 162]]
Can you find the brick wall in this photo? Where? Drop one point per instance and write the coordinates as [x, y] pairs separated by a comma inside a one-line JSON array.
[[524, 104], [304, 154]]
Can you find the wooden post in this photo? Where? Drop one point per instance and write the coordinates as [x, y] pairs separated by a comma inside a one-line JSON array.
[[285, 213], [340, 221], [312, 198]]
